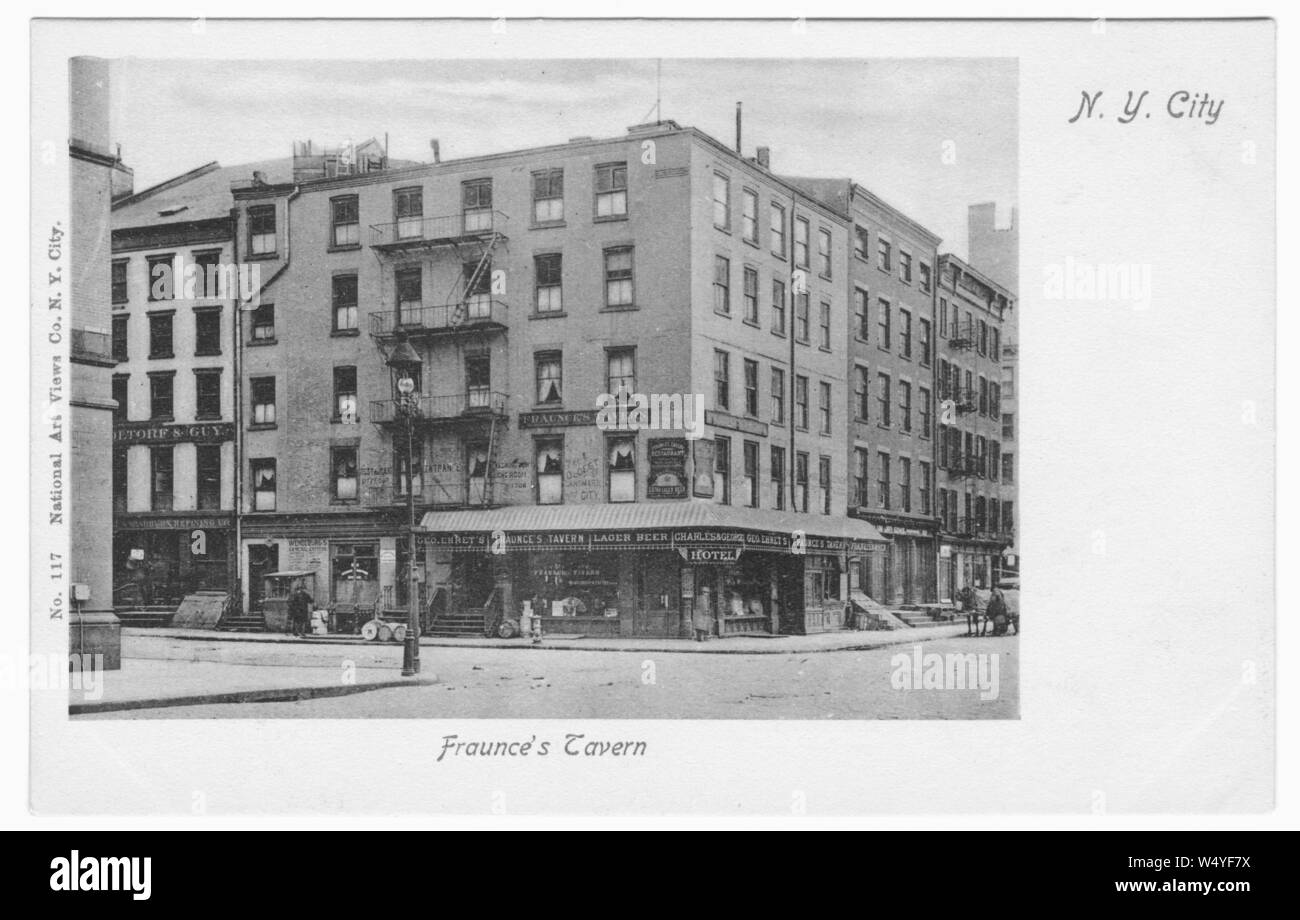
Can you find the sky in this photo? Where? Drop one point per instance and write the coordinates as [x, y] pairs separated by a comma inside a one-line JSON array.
[[929, 136]]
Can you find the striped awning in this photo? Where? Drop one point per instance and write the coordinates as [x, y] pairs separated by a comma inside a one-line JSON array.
[[649, 525]]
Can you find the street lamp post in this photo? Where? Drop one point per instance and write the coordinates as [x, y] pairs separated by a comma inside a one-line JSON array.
[[405, 362]]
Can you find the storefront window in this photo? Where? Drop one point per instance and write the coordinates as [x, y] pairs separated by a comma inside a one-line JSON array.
[[354, 570], [575, 584]]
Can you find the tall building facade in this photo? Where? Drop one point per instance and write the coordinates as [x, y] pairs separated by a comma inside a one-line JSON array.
[[658, 270], [93, 169], [976, 505]]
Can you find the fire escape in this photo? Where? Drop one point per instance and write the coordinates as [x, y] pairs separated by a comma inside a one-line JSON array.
[[463, 321]]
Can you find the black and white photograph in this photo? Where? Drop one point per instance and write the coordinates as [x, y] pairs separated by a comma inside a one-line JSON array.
[[652, 417]]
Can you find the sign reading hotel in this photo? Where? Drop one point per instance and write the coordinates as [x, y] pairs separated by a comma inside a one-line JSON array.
[[667, 476], [149, 433]]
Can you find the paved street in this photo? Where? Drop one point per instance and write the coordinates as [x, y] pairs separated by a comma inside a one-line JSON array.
[[518, 682]]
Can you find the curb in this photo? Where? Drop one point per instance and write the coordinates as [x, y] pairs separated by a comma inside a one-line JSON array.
[[714, 646], [278, 695]]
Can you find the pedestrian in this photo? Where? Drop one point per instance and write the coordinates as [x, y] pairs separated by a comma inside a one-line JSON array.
[[997, 612], [702, 615], [300, 612], [969, 606]]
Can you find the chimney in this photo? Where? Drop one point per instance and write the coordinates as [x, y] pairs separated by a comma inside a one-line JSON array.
[[437, 154], [765, 157], [259, 177]]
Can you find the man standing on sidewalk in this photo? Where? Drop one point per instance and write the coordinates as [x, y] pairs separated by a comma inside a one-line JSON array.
[[300, 611]]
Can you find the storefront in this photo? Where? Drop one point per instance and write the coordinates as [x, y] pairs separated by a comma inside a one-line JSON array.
[[641, 570], [159, 558], [978, 563]]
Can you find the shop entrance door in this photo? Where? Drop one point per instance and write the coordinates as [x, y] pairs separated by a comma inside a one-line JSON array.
[[262, 560]]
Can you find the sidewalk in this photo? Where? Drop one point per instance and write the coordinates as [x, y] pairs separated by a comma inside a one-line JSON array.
[[838, 641], [150, 683]]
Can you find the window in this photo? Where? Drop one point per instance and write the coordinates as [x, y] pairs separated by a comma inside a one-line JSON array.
[[120, 350], [904, 405], [861, 393], [800, 496], [750, 294], [120, 290], [1008, 522], [778, 396], [160, 335], [343, 474], [618, 277], [621, 367], [923, 344], [208, 476], [883, 399], [984, 396], [622, 469], [478, 381], [984, 338], [749, 216], [801, 242], [548, 270], [905, 266], [824, 484], [721, 285], [1008, 426], [345, 395], [801, 402], [861, 242], [995, 400], [824, 326], [751, 387], [776, 228], [476, 205], [884, 259], [611, 190], [550, 378], [548, 196], [261, 230], [120, 382], [996, 337], [161, 394], [882, 479], [861, 315], [776, 462], [408, 467], [861, 481], [722, 470], [262, 394], [1008, 467], [207, 280], [749, 475], [207, 332], [824, 253], [408, 212], [927, 412], [995, 517], [477, 277], [884, 339], [824, 406], [904, 484], [925, 276], [905, 333], [207, 394], [345, 221], [981, 455], [923, 487], [995, 459], [263, 475], [801, 318], [161, 477], [721, 379], [778, 306], [721, 202], [943, 317], [476, 471], [160, 278], [119, 479], [263, 323], [344, 293], [981, 519]]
